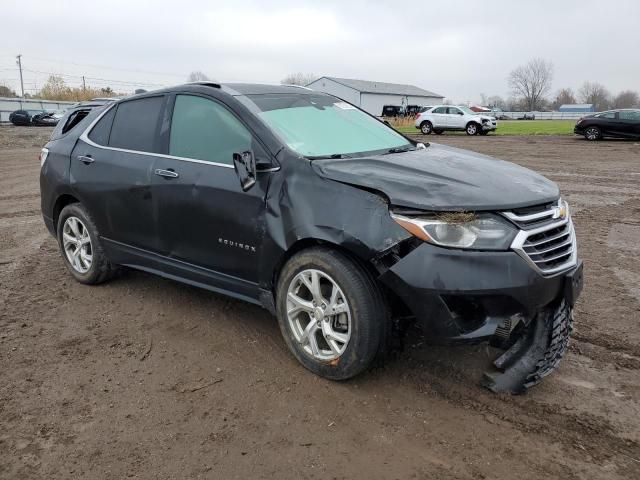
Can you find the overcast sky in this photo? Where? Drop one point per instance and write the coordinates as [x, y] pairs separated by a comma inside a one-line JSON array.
[[459, 49]]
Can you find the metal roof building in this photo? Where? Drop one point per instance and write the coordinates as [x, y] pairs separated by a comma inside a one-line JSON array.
[[372, 96], [577, 107]]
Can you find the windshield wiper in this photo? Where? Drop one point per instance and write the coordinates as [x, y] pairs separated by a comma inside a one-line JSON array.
[[401, 149], [333, 155]]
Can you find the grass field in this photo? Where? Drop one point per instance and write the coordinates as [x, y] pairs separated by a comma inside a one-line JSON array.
[[518, 127]]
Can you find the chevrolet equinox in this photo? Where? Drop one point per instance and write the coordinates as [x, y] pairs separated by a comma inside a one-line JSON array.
[[304, 204]]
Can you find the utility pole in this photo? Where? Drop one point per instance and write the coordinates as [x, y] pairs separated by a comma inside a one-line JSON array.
[[84, 85], [19, 62]]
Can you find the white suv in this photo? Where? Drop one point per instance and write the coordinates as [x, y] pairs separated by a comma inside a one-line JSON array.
[[446, 117]]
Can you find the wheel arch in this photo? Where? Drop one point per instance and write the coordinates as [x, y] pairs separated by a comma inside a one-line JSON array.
[[355, 254], [62, 201]]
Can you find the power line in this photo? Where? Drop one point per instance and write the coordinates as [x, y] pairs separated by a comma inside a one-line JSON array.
[[107, 68], [113, 81]]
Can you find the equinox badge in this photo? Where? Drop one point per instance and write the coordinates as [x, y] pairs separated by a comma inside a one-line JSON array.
[[242, 246]]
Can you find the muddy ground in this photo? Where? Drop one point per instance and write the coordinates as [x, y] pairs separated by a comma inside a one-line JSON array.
[[146, 378]]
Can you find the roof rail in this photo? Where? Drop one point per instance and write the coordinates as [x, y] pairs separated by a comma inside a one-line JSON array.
[[297, 86], [206, 83]]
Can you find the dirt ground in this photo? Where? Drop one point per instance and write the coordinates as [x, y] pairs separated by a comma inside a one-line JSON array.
[[146, 378]]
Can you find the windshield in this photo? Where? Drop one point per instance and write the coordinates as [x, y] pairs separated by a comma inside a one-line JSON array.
[[316, 125]]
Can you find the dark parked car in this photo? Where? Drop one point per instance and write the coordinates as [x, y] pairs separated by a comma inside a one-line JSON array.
[[24, 117], [392, 111], [306, 205], [47, 119], [623, 123]]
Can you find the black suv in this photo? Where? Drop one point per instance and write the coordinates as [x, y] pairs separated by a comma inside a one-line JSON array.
[[304, 204]]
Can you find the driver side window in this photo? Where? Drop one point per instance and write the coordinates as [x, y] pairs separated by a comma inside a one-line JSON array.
[[453, 111], [202, 129]]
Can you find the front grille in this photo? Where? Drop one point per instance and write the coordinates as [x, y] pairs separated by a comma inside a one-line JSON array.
[[547, 238]]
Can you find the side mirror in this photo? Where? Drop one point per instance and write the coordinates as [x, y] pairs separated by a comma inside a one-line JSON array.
[[245, 166], [460, 113]]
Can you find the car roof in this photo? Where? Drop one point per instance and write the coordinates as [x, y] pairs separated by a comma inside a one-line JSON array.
[[234, 89]]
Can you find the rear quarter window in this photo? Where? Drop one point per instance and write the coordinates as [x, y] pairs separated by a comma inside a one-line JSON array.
[[74, 121], [135, 124]]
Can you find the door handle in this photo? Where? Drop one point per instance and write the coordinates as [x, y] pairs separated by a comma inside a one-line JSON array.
[[166, 173], [86, 159]]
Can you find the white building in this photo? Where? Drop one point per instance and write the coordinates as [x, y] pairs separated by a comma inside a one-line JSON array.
[[372, 96]]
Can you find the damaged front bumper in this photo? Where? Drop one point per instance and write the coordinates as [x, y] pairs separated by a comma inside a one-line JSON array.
[[471, 296]]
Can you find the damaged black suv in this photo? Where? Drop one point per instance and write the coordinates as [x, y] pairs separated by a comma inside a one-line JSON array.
[[302, 203]]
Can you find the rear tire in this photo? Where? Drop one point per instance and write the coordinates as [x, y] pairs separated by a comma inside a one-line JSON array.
[[472, 128], [80, 246], [592, 134], [334, 346], [426, 127]]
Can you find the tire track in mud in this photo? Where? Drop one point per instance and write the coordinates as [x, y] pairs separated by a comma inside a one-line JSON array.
[[577, 432]]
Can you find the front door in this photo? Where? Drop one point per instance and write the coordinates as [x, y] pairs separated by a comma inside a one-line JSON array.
[[205, 219], [456, 118]]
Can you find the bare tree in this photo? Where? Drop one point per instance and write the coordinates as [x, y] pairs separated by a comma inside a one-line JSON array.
[[298, 78], [626, 99], [596, 94], [7, 92], [532, 82], [197, 76], [565, 96], [496, 101]]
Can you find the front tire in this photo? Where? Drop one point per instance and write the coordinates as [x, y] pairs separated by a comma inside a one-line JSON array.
[[331, 312], [472, 128], [426, 127], [80, 246], [592, 134]]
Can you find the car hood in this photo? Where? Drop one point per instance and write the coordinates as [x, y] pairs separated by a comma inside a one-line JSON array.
[[443, 178]]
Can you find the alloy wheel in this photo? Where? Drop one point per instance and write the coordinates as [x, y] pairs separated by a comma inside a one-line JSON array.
[[592, 133], [318, 314], [76, 243], [472, 129]]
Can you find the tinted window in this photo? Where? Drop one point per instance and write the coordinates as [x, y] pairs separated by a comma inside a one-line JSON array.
[[440, 110], [134, 125], [630, 115], [205, 130], [100, 132], [606, 115]]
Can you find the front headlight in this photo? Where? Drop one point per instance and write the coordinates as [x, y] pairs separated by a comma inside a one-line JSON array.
[[460, 230]]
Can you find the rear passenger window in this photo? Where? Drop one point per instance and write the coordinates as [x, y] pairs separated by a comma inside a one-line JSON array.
[[135, 124], [205, 130], [440, 110], [100, 132]]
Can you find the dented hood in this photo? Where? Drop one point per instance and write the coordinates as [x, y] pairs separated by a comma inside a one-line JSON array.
[[443, 178]]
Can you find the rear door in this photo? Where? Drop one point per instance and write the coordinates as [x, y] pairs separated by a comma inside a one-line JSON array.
[[630, 122], [111, 168], [439, 117], [205, 218]]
